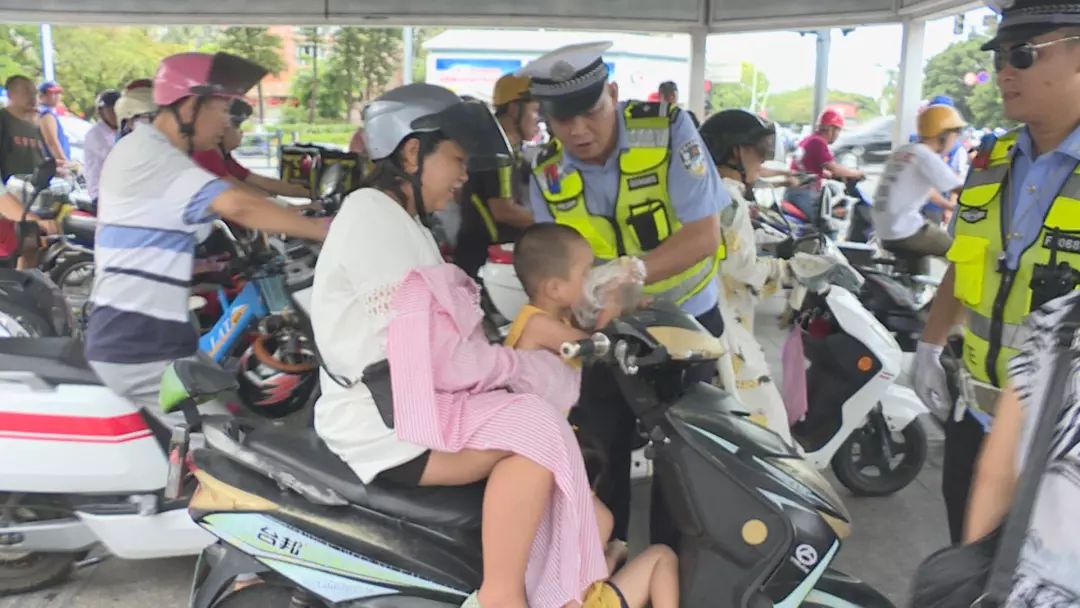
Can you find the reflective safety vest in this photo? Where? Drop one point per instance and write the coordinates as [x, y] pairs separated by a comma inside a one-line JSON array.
[[644, 216], [997, 300], [506, 190]]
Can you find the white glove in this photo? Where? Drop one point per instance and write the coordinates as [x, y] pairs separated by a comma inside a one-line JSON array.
[[931, 384]]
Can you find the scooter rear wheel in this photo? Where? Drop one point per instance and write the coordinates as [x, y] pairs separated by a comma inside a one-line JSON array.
[[863, 465]]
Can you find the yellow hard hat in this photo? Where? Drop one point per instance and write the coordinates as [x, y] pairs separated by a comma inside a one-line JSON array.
[[511, 88], [939, 119]]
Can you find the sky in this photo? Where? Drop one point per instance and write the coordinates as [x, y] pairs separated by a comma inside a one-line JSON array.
[[858, 61]]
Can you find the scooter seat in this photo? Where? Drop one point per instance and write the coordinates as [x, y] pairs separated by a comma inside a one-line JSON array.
[[305, 454], [54, 360], [80, 227]]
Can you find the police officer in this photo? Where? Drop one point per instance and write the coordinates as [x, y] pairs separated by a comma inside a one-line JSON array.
[[1016, 230], [635, 180], [494, 205]]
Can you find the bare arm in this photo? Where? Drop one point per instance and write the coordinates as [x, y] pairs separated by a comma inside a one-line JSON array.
[[945, 312], [546, 333], [693, 243], [994, 485], [843, 171], [506, 211], [10, 207], [256, 212], [277, 186], [943, 202], [52, 138]]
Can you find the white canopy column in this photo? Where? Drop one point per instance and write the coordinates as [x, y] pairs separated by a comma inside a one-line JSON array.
[[699, 39], [910, 79]]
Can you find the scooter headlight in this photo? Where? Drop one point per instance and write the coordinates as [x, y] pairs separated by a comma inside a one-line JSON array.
[[803, 473]]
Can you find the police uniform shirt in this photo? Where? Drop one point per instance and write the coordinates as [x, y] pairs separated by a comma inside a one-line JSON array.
[[1034, 184], [694, 186]]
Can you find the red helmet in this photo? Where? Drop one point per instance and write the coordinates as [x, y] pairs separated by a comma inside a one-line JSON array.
[[219, 75], [831, 118]]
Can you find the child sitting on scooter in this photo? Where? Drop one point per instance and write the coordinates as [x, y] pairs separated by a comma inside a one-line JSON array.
[[552, 261]]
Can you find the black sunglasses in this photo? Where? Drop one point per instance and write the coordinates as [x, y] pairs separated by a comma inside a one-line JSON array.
[[1023, 56]]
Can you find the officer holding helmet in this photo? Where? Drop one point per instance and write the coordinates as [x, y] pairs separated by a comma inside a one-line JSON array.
[[635, 180], [1015, 244], [494, 205]]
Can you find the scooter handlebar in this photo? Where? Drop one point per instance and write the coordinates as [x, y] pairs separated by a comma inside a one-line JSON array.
[[594, 347]]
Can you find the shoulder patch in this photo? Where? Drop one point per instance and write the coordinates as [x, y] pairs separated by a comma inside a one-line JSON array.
[[693, 158]]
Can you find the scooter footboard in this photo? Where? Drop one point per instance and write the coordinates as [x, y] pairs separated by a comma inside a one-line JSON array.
[[838, 590]]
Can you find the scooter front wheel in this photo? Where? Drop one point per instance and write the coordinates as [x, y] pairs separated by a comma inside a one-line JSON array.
[[22, 572], [876, 461]]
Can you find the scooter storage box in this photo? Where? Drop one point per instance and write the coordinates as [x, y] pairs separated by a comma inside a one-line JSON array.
[[292, 169]]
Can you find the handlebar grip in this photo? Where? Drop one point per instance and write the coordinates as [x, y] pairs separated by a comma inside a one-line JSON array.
[[596, 345]]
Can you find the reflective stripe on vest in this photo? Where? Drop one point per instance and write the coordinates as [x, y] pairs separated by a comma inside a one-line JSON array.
[[998, 301], [485, 214], [644, 216]]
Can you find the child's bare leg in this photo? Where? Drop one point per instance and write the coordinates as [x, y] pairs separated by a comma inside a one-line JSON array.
[[517, 494], [651, 578], [604, 520]]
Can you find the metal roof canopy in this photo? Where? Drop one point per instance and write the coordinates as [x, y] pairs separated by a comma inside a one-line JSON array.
[[698, 18], [714, 16]]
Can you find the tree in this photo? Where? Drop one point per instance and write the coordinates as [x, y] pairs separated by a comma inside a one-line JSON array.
[[797, 107], [92, 59], [311, 39], [363, 61], [254, 44], [890, 92], [19, 51], [945, 75], [750, 93]]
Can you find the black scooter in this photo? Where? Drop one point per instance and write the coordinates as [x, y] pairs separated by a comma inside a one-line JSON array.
[[758, 527]]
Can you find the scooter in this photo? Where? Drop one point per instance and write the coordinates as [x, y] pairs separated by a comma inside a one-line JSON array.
[[284, 506], [859, 420], [30, 304], [54, 413]]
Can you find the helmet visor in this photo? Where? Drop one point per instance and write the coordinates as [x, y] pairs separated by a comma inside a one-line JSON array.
[[230, 76], [475, 129]]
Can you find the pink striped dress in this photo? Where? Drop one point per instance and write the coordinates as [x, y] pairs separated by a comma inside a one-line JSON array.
[[453, 391]]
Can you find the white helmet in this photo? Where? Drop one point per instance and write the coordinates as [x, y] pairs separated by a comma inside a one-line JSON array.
[[427, 108], [136, 100]]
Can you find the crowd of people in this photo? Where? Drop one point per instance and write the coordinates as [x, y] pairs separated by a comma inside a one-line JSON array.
[[636, 185]]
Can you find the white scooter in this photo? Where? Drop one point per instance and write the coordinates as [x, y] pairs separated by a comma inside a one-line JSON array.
[[859, 421]]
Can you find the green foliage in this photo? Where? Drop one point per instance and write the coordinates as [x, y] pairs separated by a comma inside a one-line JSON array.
[[337, 133], [980, 104], [890, 92], [730, 95], [797, 107], [361, 63], [254, 44], [19, 53], [91, 59]]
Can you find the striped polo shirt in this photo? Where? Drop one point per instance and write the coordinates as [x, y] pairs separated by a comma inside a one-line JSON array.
[[153, 200]]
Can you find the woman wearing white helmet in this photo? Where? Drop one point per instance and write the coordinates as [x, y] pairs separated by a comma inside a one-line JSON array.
[[422, 138]]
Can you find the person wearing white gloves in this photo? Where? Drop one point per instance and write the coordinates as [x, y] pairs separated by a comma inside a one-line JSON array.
[[739, 143]]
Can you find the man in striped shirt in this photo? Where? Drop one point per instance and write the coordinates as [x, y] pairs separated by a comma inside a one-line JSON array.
[[154, 203]]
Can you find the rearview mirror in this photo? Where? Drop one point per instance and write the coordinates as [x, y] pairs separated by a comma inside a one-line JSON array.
[[330, 180], [43, 174]]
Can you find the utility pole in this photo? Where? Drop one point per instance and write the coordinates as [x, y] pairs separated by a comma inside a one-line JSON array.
[[314, 46]]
